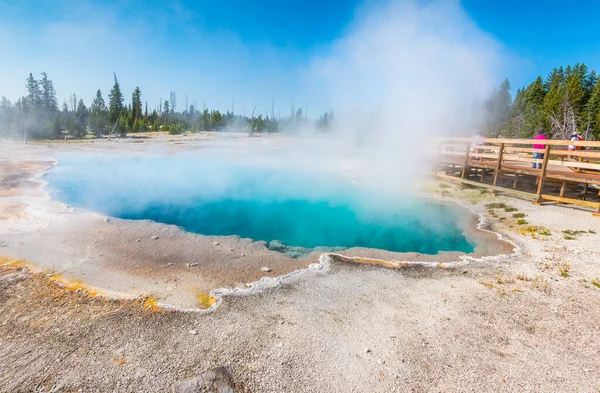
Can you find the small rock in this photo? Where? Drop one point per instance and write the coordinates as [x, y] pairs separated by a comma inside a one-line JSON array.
[[138, 240], [191, 264], [367, 350], [380, 362], [194, 332], [13, 277], [170, 264], [217, 380], [106, 219], [265, 269], [216, 243], [242, 255], [154, 237]]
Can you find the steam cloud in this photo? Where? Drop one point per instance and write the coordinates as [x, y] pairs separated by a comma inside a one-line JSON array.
[[404, 73]]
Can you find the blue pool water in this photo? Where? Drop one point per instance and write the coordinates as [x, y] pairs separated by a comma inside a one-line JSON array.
[[286, 208]]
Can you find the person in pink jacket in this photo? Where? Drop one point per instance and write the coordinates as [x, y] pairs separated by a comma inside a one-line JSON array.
[[539, 156]]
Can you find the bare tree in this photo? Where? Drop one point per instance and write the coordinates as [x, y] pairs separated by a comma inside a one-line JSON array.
[[565, 123]]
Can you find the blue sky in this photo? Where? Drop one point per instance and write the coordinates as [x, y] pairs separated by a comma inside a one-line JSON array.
[[543, 34], [247, 53]]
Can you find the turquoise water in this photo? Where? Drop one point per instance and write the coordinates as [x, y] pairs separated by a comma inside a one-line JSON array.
[[288, 209]]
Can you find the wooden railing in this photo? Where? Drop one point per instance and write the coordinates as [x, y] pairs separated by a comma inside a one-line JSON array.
[[560, 165]]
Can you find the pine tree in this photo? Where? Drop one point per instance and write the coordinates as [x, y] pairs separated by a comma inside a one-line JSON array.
[[532, 108], [81, 120], [115, 103], [48, 95], [173, 101], [554, 97], [98, 115], [498, 109], [6, 110], [33, 92], [54, 128], [591, 120], [136, 104], [166, 111]]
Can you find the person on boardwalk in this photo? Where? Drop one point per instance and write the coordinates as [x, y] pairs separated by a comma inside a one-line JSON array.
[[540, 156]]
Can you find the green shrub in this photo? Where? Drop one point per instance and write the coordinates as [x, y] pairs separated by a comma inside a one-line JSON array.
[[496, 206]]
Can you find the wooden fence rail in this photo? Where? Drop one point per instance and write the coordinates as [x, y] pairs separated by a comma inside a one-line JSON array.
[[565, 164]]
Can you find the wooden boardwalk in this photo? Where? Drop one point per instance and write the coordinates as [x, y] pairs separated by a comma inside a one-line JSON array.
[[505, 165]]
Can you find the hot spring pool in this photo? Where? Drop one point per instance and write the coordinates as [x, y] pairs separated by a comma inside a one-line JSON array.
[[292, 210]]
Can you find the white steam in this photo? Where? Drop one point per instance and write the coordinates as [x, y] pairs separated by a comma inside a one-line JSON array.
[[404, 73]]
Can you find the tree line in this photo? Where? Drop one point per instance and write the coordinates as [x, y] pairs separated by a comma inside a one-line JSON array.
[[565, 102], [38, 116]]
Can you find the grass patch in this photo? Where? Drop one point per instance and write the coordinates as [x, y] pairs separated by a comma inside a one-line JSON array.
[[523, 277], [532, 230], [443, 185], [519, 215], [510, 209], [521, 221], [496, 206], [542, 285], [487, 284], [571, 234], [596, 282], [563, 269]]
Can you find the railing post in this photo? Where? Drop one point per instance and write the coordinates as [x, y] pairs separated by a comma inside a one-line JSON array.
[[499, 164], [543, 173], [436, 162], [464, 170]]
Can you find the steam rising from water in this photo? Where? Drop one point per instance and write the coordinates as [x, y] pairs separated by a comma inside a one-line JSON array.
[[404, 73]]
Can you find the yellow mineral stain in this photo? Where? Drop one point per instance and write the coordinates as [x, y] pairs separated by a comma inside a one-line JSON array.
[[74, 285], [64, 283], [205, 300], [120, 360], [13, 263], [10, 192], [150, 304]]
